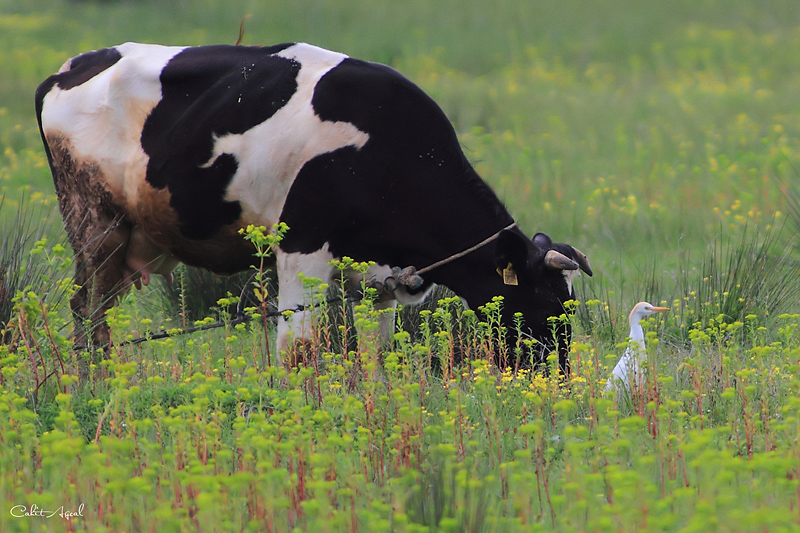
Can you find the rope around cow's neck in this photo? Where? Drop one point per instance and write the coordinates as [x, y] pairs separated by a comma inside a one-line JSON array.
[[459, 255]]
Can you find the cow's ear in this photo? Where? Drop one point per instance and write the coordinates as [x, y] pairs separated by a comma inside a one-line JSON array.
[[542, 240], [512, 248]]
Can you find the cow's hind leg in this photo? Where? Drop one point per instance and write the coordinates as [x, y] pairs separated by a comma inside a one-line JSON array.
[[99, 279], [98, 236], [108, 280]]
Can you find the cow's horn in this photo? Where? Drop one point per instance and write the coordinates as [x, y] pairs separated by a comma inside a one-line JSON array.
[[583, 261], [558, 261]]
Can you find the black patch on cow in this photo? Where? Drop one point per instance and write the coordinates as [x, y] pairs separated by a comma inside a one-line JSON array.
[[209, 92], [86, 66], [408, 196]]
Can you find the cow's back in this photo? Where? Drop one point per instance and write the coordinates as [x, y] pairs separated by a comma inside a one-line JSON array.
[[192, 143]]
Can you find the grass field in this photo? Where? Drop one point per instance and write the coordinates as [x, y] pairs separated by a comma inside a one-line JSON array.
[[662, 139]]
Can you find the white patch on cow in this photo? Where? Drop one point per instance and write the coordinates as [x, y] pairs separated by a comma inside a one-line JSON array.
[[271, 154], [104, 117], [66, 66], [569, 277]]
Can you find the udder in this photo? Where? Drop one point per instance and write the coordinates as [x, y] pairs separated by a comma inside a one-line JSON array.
[[143, 258]]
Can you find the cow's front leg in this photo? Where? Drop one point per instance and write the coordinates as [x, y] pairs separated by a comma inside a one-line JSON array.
[[386, 302], [388, 298], [295, 329]]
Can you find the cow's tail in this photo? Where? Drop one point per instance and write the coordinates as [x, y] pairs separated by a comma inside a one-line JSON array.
[[41, 92]]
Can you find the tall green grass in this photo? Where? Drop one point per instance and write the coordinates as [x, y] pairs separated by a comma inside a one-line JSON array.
[[22, 267], [197, 433]]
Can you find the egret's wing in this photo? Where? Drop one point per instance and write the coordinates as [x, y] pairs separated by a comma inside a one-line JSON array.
[[627, 366]]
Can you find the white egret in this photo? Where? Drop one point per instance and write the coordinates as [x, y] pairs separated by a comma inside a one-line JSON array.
[[629, 366]]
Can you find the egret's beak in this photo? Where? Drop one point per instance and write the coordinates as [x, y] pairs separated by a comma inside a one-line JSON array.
[[659, 309]]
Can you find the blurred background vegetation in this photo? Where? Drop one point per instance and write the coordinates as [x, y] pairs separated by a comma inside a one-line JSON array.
[[643, 133]]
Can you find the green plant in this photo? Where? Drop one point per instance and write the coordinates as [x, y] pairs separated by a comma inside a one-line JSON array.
[[263, 243], [19, 268]]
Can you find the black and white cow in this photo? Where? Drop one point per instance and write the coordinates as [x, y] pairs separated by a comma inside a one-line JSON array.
[[160, 154]]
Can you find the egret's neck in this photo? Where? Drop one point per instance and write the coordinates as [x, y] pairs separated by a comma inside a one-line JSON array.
[[637, 333]]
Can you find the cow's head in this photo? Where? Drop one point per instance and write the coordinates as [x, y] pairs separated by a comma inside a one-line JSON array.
[[537, 276]]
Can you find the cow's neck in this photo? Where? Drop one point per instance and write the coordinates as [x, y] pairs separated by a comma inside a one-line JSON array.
[[474, 214]]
